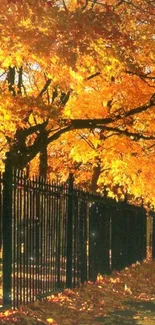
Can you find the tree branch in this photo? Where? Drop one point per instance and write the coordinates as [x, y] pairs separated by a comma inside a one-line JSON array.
[[57, 134], [145, 76], [142, 108], [90, 144], [21, 154], [45, 87], [134, 135], [98, 123], [93, 75], [32, 129], [64, 5]]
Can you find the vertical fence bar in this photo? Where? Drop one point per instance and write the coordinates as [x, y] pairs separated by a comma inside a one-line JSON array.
[[144, 245], [7, 233], [64, 234], [92, 241], [69, 233], [1, 234], [58, 240], [14, 252], [83, 240], [24, 239], [17, 232], [77, 276], [33, 239], [153, 235], [37, 246], [1, 241], [52, 235], [30, 242], [129, 238], [48, 239], [44, 237], [27, 215], [20, 230]]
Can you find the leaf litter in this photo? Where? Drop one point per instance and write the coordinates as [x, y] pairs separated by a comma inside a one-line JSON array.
[[95, 303]]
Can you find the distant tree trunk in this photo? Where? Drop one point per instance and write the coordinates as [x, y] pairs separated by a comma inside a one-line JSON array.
[[43, 155], [20, 80], [11, 80], [95, 177]]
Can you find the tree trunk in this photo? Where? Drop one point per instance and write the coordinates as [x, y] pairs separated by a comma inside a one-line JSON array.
[[95, 177], [11, 80], [43, 156], [20, 80]]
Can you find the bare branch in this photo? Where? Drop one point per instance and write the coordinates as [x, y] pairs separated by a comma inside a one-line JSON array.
[[143, 77], [3, 74], [93, 75], [45, 87], [64, 5], [90, 144], [135, 136]]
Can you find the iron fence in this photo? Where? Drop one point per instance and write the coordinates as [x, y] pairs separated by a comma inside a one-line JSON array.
[[54, 236]]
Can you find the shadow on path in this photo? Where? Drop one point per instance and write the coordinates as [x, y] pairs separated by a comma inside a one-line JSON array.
[[142, 312]]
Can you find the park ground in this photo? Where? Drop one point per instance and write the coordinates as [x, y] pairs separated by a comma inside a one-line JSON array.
[[122, 298]]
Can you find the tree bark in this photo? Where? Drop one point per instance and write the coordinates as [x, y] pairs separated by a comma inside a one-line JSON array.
[[11, 80], [43, 156], [21, 154], [20, 80], [95, 177]]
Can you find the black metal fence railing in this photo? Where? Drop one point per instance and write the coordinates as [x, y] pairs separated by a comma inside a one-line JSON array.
[[54, 236]]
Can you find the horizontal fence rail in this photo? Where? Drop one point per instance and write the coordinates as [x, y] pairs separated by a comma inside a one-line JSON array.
[[54, 236]]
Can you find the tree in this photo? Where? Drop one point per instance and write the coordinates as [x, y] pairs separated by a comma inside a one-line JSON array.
[[81, 71]]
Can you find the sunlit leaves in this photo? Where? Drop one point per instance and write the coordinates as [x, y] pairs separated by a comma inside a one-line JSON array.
[[98, 62]]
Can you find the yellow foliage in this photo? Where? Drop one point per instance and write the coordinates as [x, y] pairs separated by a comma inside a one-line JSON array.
[[102, 58], [51, 321]]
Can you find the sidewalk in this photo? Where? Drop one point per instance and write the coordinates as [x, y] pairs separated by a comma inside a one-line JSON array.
[[136, 313]]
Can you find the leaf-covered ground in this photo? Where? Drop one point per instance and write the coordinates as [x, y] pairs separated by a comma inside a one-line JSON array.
[[124, 298]]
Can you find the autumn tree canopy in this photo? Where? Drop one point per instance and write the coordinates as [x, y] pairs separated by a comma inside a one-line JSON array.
[[77, 91]]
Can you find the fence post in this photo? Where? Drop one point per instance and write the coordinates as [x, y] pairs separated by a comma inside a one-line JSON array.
[[7, 232], [69, 232]]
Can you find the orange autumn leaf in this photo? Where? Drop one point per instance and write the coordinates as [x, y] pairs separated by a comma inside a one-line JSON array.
[[77, 90]]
